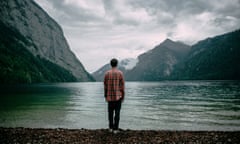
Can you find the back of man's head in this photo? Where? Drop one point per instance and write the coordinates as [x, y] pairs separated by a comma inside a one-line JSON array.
[[114, 62]]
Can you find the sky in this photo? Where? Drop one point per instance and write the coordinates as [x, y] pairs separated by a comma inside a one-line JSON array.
[[98, 30]]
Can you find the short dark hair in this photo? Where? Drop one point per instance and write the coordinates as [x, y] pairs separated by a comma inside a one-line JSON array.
[[114, 62]]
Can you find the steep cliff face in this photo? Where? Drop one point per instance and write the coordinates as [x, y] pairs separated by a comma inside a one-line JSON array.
[[19, 65], [45, 36]]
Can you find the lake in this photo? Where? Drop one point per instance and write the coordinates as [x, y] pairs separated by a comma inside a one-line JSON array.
[[167, 105]]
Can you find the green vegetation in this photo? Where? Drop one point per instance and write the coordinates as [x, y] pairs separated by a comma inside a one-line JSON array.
[[213, 59], [18, 65]]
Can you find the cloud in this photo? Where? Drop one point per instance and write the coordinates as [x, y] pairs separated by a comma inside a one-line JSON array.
[[98, 30]]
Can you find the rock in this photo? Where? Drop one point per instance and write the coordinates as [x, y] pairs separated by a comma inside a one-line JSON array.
[[44, 34]]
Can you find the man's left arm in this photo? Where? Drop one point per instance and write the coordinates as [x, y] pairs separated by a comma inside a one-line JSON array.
[[105, 86]]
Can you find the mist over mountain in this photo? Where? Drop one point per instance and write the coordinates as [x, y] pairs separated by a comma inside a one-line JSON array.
[[123, 65], [33, 46]]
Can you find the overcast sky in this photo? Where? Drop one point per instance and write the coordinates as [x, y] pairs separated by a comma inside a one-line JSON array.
[[98, 30]]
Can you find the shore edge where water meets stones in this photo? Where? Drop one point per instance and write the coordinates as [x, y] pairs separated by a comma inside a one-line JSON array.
[[60, 135]]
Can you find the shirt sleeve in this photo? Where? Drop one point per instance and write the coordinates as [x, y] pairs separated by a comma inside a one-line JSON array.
[[122, 85], [105, 85]]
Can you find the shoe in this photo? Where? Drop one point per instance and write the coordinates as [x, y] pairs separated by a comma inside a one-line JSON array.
[[116, 131], [110, 130]]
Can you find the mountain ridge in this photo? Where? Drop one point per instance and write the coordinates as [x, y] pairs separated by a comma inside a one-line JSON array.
[[215, 58], [158, 63]]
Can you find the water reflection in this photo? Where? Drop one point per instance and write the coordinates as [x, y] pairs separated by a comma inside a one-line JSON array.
[[39, 105], [13, 97]]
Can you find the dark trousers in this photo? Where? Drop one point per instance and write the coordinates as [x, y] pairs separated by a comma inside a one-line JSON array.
[[114, 108]]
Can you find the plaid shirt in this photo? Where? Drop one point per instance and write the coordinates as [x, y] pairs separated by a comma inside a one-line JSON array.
[[113, 85]]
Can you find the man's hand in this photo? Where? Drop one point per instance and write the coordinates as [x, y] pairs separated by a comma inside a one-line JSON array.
[[122, 99]]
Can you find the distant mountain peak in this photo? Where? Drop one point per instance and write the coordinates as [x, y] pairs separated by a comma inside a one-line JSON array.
[[170, 42], [173, 45], [167, 40]]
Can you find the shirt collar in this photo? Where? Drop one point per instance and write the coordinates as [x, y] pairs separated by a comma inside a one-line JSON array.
[[114, 68]]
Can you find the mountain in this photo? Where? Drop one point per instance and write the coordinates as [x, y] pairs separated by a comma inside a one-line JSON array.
[[33, 46], [124, 65], [158, 63], [216, 58], [154, 65]]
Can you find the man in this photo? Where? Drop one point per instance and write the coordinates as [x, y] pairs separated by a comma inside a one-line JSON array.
[[114, 94]]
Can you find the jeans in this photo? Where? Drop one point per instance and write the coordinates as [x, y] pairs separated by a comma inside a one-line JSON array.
[[114, 108]]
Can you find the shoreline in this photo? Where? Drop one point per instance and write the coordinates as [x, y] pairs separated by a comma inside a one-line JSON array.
[[62, 135]]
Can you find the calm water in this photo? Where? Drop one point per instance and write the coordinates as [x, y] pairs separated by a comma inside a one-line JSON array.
[[173, 105]]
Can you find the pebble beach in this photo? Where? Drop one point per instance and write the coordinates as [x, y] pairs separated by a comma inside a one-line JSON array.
[[103, 136]]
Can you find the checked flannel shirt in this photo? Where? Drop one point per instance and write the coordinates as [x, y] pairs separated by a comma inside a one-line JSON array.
[[113, 85]]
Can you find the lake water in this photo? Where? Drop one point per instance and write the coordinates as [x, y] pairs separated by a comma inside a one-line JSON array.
[[167, 105]]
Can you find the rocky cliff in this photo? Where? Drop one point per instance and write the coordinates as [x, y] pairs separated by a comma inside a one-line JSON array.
[[45, 38]]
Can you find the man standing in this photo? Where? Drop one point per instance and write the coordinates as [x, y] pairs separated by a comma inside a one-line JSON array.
[[114, 94]]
